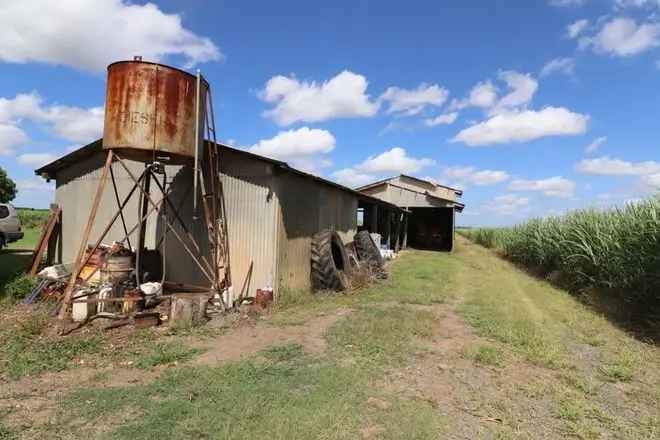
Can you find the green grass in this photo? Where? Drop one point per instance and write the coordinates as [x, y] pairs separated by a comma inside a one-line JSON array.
[[24, 350], [486, 355], [283, 353], [29, 241], [378, 336], [418, 277], [165, 353], [378, 352], [7, 433], [14, 263], [286, 397]]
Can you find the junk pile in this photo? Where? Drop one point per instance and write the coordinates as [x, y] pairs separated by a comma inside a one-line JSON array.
[[106, 288]]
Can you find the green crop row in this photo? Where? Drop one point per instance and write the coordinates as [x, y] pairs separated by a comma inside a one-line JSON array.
[[616, 250]]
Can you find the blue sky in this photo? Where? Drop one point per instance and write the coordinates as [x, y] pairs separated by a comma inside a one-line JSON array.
[[532, 107]]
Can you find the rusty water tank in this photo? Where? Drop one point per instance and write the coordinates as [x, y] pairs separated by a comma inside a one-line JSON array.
[[150, 110]]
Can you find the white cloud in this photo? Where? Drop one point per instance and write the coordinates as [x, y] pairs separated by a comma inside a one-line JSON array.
[[652, 180], [34, 184], [294, 143], [482, 95], [607, 166], [446, 118], [507, 204], [637, 3], [10, 137], [75, 124], [523, 126], [463, 175], [395, 160], [576, 28], [343, 96], [352, 178], [624, 37], [412, 102], [90, 34], [567, 3], [522, 86], [23, 105], [565, 66], [35, 159], [554, 186], [595, 145], [303, 148]]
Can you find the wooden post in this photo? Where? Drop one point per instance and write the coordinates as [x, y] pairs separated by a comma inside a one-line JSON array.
[[399, 220], [373, 227], [405, 230], [38, 253], [388, 218], [77, 267]]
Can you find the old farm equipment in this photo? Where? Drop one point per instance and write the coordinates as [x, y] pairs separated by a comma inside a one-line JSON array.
[[155, 115]]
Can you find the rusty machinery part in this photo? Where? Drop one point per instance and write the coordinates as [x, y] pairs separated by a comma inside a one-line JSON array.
[[151, 110], [369, 254], [329, 262]]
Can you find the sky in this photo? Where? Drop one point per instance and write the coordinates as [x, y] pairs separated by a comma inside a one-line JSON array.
[[532, 107]]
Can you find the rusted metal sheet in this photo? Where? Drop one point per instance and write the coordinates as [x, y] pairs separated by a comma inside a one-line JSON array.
[[307, 208], [252, 224], [150, 109]]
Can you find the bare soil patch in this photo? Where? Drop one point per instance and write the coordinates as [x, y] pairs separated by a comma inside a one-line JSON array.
[[249, 339]]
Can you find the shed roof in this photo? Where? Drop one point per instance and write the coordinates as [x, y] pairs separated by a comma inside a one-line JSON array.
[[459, 206], [428, 182], [49, 170]]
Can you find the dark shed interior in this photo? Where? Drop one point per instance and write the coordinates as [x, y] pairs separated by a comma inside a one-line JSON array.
[[431, 229]]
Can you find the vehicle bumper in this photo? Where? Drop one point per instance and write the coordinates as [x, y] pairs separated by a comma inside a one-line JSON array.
[[13, 236]]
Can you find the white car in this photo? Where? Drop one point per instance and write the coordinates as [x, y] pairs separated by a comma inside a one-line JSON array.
[[10, 225]]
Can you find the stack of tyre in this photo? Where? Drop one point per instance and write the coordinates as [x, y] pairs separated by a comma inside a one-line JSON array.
[[333, 264]]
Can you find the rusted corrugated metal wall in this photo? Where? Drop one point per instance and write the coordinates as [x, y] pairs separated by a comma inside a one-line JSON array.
[[252, 208], [76, 186], [271, 217], [307, 207], [251, 216]]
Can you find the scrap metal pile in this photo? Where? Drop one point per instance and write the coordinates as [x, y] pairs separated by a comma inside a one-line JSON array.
[[108, 288]]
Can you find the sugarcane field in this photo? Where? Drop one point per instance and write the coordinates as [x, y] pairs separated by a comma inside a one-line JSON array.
[[352, 220]]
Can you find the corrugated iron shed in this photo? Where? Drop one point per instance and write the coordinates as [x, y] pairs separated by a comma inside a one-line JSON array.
[[273, 210]]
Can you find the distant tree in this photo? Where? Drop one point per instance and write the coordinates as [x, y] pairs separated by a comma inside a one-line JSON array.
[[7, 187]]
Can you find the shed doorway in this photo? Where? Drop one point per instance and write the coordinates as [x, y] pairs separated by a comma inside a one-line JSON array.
[[431, 229]]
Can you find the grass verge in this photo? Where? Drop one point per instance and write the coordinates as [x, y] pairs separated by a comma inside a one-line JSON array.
[[289, 395]]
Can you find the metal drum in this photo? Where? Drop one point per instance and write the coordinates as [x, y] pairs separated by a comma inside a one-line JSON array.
[[117, 268], [150, 110]]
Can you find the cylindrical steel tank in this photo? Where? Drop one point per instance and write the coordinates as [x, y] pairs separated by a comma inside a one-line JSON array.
[[150, 110]]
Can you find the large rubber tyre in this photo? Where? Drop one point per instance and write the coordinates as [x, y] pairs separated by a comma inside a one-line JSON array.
[[329, 262], [367, 250]]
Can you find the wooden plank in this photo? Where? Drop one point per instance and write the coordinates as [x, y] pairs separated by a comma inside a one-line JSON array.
[[46, 233]]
